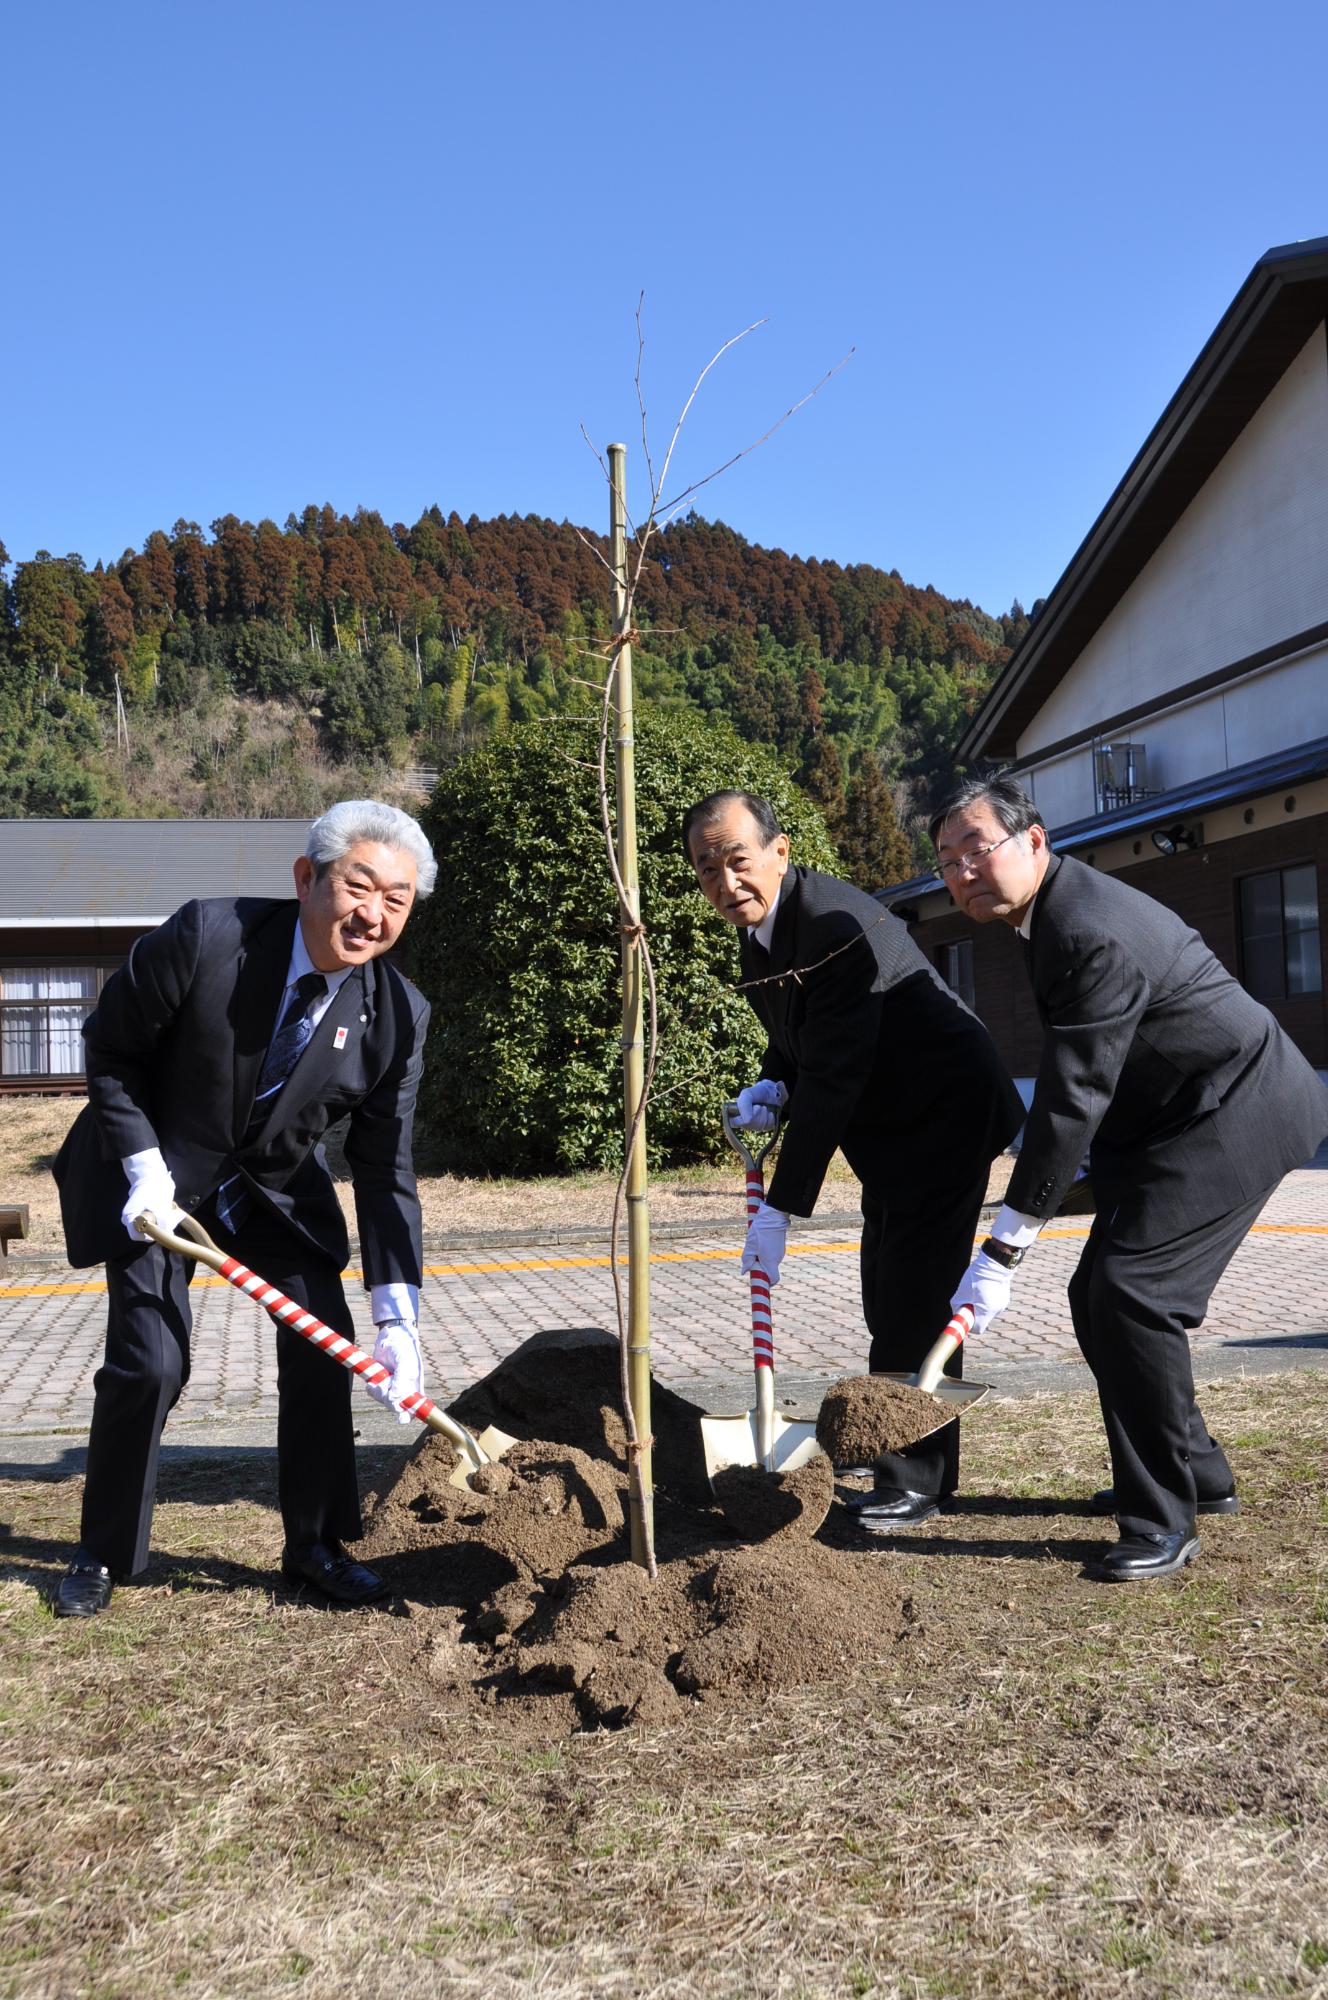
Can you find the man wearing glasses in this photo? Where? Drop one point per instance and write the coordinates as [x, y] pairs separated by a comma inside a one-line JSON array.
[[1190, 1103], [870, 1052]]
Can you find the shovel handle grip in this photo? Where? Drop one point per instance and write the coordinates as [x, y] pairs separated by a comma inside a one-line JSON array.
[[752, 1159], [951, 1336]]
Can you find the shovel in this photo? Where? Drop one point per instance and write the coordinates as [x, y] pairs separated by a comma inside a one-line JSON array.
[[195, 1242], [760, 1437], [952, 1398]]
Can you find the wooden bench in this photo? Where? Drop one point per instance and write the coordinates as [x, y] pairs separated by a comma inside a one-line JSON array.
[[13, 1225]]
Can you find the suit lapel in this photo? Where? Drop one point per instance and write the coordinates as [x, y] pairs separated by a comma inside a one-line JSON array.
[[1042, 931], [350, 1010], [771, 999], [783, 937], [260, 983]]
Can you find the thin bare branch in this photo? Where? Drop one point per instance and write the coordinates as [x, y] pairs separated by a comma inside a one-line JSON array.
[[717, 356], [581, 534], [669, 506], [640, 396]]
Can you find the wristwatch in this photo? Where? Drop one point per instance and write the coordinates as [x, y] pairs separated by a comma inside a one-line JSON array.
[[1001, 1253]]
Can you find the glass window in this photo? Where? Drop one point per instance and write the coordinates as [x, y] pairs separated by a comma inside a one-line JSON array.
[[955, 965], [1279, 933], [42, 1011]]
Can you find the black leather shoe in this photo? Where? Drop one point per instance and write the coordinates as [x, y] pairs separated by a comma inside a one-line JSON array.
[[328, 1568], [1137, 1557], [881, 1512], [84, 1589], [1104, 1502]]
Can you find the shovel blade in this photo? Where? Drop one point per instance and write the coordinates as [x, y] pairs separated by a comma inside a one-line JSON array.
[[493, 1443], [733, 1441], [953, 1399]]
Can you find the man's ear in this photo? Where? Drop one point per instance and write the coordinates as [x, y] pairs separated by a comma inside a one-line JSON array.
[[304, 877]]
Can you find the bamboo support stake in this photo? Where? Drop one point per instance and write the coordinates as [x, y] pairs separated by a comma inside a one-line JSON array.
[[633, 1037]]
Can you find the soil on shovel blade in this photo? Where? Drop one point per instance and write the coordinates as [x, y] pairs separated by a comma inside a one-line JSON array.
[[527, 1599], [864, 1415]]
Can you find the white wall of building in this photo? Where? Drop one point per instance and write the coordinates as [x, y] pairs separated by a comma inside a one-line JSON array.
[[1245, 567], [1255, 717]]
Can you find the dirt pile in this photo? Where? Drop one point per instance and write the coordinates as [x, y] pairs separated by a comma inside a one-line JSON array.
[[758, 1504], [864, 1415], [525, 1590]]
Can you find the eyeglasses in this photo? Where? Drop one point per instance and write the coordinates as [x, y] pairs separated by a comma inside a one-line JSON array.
[[951, 870]]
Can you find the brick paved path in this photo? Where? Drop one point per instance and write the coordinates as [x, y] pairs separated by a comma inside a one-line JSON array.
[[478, 1305]]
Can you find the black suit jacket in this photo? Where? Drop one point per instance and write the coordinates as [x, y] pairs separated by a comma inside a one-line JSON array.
[[880, 1058], [1184, 1091], [174, 1049]]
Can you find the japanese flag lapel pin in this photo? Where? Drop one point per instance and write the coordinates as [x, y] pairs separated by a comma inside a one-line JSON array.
[[339, 1039]]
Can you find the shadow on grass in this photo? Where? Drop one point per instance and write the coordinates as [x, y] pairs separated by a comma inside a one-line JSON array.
[[203, 1474], [41, 1562], [1050, 1548]]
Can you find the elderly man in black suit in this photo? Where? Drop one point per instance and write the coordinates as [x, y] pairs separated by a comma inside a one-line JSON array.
[[871, 1053], [1190, 1103], [216, 1059]]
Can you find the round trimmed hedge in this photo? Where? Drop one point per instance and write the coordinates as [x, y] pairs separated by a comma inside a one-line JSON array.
[[518, 950]]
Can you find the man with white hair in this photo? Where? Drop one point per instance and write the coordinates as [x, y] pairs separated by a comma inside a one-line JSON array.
[[217, 1057]]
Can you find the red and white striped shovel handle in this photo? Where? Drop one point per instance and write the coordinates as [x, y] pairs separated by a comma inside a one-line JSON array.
[[951, 1336], [763, 1331], [285, 1312]]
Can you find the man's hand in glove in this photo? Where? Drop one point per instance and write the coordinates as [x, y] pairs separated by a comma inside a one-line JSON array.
[[398, 1348], [985, 1286], [760, 1104], [766, 1236], [151, 1191]]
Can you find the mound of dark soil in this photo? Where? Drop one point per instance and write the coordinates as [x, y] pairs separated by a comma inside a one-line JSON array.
[[758, 1504], [864, 1415], [524, 1582]]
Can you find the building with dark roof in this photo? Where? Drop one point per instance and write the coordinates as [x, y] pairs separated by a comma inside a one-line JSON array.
[[74, 894], [1168, 707]]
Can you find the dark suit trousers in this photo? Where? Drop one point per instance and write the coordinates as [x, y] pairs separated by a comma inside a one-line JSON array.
[[147, 1365], [1131, 1310], [913, 1254]]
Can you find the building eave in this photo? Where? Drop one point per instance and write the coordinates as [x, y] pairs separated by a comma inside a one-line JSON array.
[[1293, 766], [1272, 316]]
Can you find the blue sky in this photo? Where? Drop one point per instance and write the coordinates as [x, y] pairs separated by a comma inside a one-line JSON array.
[[261, 255]]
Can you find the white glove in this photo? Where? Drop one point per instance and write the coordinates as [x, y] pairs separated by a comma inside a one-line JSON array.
[[760, 1104], [985, 1286], [398, 1348], [151, 1187], [766, 1236]]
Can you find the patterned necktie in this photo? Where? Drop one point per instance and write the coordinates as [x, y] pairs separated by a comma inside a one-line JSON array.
[[292, 1038]]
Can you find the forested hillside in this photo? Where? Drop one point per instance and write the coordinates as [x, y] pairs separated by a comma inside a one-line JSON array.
[[265, 669]]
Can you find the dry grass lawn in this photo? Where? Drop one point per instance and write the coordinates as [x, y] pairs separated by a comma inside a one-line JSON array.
[[31, 1129], [1041, 1786]]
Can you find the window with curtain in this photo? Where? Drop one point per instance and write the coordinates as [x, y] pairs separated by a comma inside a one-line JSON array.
[[42, 1011], [1279, 933]]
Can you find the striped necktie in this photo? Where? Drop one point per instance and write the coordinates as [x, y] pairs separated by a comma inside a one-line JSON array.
[[292, 1037], [294, 1033]]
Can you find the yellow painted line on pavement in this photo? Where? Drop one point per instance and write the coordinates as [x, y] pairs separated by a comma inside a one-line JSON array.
[[93, 1287]]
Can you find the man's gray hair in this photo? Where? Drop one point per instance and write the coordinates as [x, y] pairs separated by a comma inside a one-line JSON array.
[[341, 826], [1001, 791]]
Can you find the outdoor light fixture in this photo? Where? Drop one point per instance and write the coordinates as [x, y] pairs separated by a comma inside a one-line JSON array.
[[1176, 839]]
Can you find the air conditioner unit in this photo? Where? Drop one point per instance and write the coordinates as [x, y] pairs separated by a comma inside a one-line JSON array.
[[1120, 774]]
